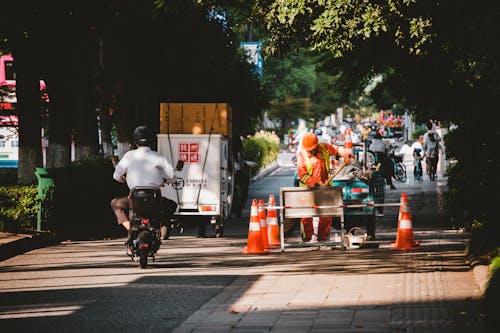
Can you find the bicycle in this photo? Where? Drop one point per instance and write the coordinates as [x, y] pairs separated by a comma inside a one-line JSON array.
[[398, 165]]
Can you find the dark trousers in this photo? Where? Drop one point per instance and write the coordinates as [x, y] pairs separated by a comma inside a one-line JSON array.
[[386, 165], [121, 207]]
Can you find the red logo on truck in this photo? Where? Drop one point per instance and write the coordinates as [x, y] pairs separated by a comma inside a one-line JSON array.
[[189, 152]]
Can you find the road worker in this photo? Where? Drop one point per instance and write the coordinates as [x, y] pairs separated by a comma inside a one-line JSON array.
[[313, 168]]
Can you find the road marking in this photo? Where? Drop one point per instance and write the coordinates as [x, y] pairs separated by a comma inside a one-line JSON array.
[[39, 312]]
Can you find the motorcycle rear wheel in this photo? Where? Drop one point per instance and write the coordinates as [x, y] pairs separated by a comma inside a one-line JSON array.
[[143, 258]]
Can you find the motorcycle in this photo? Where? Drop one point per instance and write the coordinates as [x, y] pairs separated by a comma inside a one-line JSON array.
[[146, 231]]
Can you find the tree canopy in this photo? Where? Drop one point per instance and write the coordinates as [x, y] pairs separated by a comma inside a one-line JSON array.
[[118, 60], [439, 59]]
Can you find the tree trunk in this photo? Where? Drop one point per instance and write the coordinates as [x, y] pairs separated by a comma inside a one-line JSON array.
[[28, 110], [103, 97], [84, 113], [123, 119], [59, 128], [117, 69]]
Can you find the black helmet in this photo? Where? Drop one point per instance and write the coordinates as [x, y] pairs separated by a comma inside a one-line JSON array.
[[142, 136]]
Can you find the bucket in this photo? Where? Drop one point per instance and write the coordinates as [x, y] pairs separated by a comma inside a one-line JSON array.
[[355, 238]]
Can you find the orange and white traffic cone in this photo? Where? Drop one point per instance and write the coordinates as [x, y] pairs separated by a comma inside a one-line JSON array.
[[405, 239], [263, 223], [348, 151], [273, 231], [403, 198], [254, 243]]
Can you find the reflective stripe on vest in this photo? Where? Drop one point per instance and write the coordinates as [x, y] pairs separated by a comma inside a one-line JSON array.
[[307, 161]]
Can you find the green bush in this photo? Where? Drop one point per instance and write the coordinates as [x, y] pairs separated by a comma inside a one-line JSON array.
[[93, 162], [418, 132], [18, 206], [263, 147], [491, 299], [81, 206]]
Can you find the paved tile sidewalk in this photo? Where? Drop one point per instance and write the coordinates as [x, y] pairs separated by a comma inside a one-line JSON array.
[[369, 290], [12, 244]]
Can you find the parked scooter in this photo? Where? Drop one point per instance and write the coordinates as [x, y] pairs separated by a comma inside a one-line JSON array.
[[145, 221]]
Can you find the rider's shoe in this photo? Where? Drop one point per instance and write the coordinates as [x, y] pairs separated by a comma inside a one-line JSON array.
[[164, 232], [129, 247], [129, 250], [129, 238], [393, 187], [129, 244]]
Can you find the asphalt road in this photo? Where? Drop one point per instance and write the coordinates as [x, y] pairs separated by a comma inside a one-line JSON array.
[[82, 286]]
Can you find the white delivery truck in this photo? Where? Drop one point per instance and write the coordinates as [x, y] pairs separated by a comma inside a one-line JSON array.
[[204, 191]]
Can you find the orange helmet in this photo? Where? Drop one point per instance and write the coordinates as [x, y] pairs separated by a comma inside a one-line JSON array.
[[309, 141]]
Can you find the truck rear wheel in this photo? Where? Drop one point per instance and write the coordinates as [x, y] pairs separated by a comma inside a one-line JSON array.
[[219, 226]]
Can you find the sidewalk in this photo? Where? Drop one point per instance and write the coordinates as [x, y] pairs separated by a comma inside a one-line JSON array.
[[363, 290], [324, 290], [14, 244]]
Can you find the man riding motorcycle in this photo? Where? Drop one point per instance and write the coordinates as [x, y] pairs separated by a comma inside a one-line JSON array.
[[142, 167]]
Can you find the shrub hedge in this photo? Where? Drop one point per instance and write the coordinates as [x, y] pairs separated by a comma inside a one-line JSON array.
[[80, 207], [18, 212], [263, 147], [491, 297]]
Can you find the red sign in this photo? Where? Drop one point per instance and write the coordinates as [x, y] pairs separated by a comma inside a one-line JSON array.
[[183, 147], [194, 158], [189, 152], [194, 147], [184, 157]]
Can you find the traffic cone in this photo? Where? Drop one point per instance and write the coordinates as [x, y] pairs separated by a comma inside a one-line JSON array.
[[405, 239], [254, 244], [263, 223], [273, 232], [403, 198], [348, 152]]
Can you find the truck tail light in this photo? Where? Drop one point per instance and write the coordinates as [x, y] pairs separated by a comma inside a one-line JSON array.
[[207, 208]]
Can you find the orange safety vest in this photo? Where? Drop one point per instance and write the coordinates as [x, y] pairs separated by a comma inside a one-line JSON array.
[[324, 155]]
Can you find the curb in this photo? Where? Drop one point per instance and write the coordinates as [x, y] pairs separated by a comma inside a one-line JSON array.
[[265, 171], [25, 244], [481, 272]]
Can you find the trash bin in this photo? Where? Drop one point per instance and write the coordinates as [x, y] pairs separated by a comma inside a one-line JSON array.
[[46, 189]]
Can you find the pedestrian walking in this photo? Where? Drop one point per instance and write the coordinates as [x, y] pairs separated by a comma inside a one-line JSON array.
[[431, 152]]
